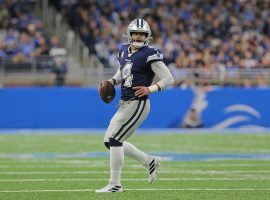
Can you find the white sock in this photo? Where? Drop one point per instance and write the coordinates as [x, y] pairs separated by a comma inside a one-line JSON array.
[[116, 164], [133, 152]]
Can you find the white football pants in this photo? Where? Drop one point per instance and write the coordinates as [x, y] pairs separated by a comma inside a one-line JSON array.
[[127, 119]]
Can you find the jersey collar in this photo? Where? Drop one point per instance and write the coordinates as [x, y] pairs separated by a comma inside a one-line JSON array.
[[129, 50]]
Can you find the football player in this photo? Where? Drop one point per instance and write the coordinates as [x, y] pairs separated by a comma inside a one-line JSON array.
[[138, 64]]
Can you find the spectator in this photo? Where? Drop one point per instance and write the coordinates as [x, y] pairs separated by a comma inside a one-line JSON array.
[[22, 36], [208, 34], [192, 119], [58, 66]]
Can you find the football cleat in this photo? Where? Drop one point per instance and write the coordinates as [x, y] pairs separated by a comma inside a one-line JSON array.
[[153, 168], [110, 188]]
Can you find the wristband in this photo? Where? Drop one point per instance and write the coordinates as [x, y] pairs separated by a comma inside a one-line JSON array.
[[154, 88], [112, 81]]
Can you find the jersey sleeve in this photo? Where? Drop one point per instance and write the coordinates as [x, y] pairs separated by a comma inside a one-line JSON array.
[[154, 55], [163, 73]]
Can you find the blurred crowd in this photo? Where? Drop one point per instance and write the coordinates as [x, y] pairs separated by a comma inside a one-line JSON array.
[[192, 33], [22, 35], [24, 41], [208, 34]]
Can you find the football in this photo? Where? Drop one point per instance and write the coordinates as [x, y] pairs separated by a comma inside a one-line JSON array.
[[106, 91]]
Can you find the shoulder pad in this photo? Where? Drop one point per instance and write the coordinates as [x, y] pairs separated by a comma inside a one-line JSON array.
[[121, 51], [154, 54]]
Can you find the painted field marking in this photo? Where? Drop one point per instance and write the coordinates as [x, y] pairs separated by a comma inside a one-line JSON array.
[[147, 189], [168, 156], [65, 166], [134, 179], [142, 171], [4, 166]]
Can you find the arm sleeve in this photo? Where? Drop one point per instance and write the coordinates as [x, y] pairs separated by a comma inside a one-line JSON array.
[[164, 74], [116, 79]]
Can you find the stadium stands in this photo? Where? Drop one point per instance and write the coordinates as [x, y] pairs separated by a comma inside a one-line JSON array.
[[25, 45], [22, 38], [214, 42], [223, 41]]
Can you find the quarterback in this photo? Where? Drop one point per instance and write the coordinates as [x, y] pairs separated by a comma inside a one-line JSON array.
[[139, 63]]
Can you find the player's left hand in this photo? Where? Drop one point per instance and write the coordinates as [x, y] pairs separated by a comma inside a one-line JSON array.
[[141, 91]]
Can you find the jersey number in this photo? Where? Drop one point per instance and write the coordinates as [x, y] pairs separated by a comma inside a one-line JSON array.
[[126, 75]]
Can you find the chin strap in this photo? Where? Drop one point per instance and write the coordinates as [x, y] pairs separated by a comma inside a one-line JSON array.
[[138, 44]]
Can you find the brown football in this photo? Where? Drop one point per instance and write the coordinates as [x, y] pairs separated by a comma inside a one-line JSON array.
[[106, 91]]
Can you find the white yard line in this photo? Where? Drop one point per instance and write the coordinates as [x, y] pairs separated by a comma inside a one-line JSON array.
[[4, 166], [56, 166], [146, 189], [63, 166], [53, 161], [134, 179], [141, 171], [206, 164]]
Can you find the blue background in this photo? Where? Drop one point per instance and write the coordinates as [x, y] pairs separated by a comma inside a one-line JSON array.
[[71, 107]]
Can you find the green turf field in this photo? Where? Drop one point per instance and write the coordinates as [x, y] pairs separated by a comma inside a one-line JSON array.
[[72, 166]]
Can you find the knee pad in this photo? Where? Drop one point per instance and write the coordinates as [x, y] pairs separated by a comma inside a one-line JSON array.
[[115, 143], [107, 144]]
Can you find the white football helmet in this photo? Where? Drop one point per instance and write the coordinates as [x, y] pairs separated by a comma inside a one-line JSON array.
[[139, 26]]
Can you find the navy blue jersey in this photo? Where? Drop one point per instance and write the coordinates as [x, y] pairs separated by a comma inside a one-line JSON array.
[[136, 69]]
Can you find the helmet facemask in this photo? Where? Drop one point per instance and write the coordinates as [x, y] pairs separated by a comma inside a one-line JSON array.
[[139, 26], [138, 43]]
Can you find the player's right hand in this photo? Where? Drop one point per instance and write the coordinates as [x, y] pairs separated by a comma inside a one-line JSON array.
[[100, 84]]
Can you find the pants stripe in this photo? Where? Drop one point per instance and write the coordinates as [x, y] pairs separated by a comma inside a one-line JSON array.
[[144, 102], [125, 124]]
